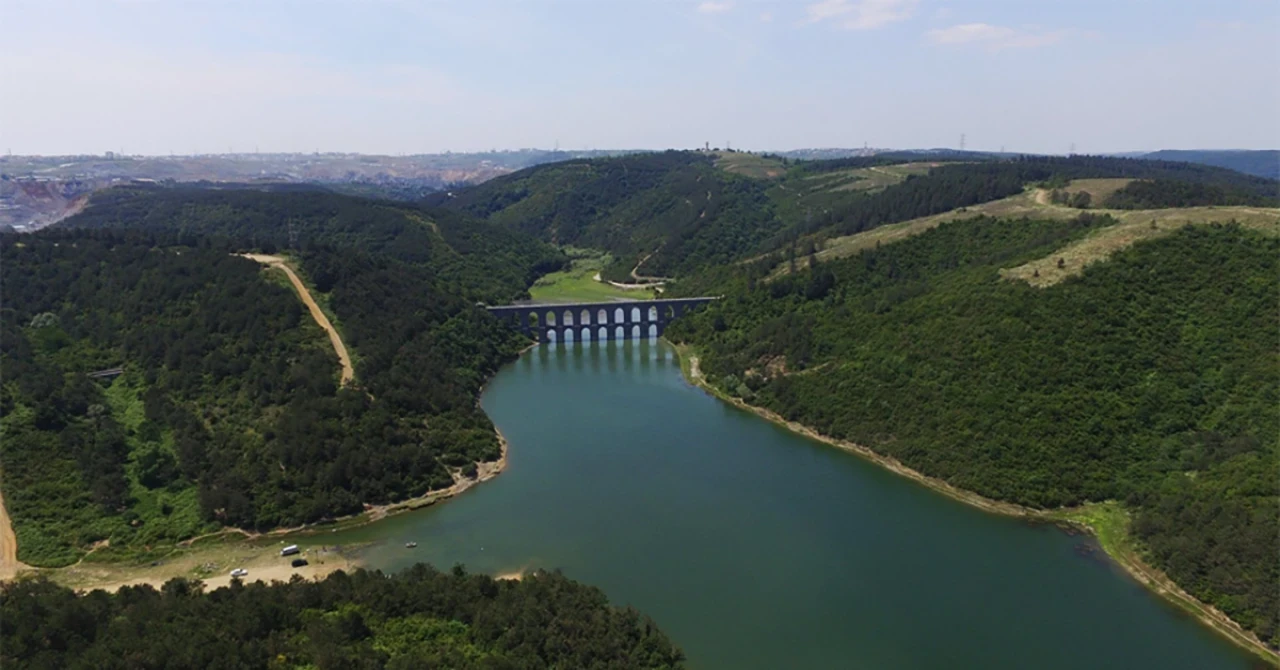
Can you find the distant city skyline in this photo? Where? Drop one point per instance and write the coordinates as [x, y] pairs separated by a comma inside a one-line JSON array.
[[397, 77]]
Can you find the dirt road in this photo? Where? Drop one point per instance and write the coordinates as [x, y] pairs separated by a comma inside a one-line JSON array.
[[9, 564], [348, 372]]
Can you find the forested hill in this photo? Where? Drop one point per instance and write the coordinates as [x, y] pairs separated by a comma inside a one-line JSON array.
[[1262, 163], [478, 260], [418, 618], [684, 211], [1152, 379], [229, 411], [675, 203]]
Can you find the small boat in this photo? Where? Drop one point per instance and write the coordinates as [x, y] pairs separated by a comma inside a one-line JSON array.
[[410, 545]]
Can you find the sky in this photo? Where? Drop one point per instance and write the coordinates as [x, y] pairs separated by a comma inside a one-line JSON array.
[[399, 77]]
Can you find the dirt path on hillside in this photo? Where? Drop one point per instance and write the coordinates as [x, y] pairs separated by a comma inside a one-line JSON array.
[[9, 564], [348, 372], [635, 272]]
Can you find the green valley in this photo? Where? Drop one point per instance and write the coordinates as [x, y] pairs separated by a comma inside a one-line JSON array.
[[1082, 339]]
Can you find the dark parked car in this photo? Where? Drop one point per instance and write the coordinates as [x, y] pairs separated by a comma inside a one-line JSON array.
[[298, 562]]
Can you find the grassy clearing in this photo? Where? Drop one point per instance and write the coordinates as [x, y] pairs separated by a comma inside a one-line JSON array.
[[750, 165], [1034, 204], [865, 179], [1109, 522], [884, 176], [1142, 225], [1098, 189], [578, 283], [162, 515]]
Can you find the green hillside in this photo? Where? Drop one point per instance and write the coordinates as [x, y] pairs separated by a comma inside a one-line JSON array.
[[685, 211], [1262, 163], [676, 205], [1151, 379], [478, 260], [1038, 203], [229, 411]]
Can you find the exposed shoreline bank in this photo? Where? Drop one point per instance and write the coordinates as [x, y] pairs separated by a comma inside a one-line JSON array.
[[1117, 545]]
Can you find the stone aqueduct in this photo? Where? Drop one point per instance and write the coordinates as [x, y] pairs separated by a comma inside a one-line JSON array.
[[596, 321]]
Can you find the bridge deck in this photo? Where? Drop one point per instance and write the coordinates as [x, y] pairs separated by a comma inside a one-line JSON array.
[[608, 303], [617, 319]]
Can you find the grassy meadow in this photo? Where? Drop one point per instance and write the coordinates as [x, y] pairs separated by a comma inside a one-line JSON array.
[[578, 283]]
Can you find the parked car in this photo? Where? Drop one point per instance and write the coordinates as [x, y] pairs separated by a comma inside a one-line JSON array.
[[239, 572], [289, 550], [298, 562]]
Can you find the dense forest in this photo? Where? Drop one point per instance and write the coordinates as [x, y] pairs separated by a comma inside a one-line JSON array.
[[683, 214], [1261, 163], [229, 410], [1162, 193], [477, 260], [676, 205], [418, 618], [1152, 379]]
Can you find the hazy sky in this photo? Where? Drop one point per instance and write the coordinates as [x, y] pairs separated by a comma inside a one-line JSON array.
[[183, 76]]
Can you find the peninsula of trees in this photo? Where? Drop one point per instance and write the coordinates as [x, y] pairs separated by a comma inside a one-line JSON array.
[[418, 618]]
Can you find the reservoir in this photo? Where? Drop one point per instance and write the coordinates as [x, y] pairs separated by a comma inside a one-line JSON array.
[[753, 547]]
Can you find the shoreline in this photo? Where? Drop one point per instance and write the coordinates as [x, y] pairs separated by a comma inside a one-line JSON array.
[[112, 576], [262, 560], [1150, 577]]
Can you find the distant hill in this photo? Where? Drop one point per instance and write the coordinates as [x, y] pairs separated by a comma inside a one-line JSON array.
[[676, 209], [36, 191], [1263, 163], [492, 262], [676, 212]]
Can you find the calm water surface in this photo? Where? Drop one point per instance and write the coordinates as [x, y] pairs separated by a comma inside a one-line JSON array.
[[756, 548]]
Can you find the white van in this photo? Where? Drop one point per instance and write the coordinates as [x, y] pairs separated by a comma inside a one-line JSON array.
[[289, 550]]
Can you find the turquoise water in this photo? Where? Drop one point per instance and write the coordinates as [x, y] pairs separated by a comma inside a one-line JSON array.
[[756, 548]]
